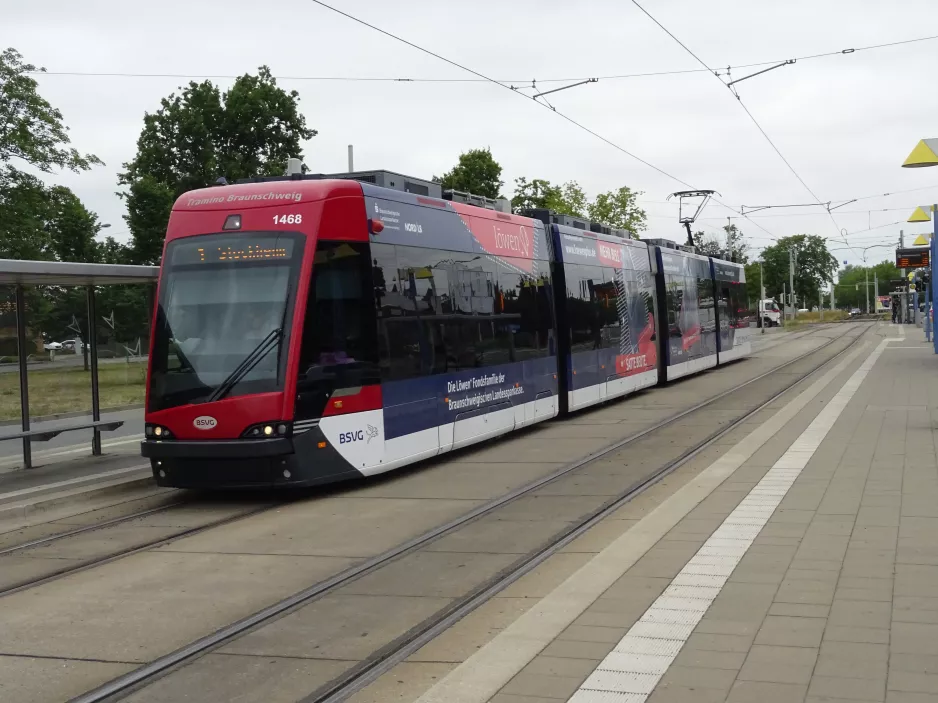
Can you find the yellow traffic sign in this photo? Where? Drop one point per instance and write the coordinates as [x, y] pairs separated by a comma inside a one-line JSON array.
[[925, 153], [921, 214], [920, 240], [912, 276]]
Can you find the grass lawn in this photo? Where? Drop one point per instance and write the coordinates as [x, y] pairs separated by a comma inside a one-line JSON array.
[[55, 391], [808, 318]]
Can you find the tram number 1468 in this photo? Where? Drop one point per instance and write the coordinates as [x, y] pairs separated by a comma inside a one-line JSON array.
[[288, 219]]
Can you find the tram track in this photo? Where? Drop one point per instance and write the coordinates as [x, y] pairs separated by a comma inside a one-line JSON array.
[[359, 676], [49, 539], [341, 688], [141, 546], [114, 555]]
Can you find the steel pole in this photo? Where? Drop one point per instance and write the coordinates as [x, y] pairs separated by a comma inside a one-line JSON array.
[[927, 312], [931, 269], [867, 289], [95, 393], [22, 353], [761, 298]]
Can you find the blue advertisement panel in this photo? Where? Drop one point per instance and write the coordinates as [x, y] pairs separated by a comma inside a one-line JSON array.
[[444, 397]]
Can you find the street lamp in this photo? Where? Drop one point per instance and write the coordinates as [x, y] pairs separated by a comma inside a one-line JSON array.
[[923, 155]]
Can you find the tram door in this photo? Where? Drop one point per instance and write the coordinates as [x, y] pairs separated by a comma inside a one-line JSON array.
[[338, 381]]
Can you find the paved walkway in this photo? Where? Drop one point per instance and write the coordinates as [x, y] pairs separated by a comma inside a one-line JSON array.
[[801, 566]]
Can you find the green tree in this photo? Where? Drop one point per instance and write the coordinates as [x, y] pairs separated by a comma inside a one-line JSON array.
[[31, 130], [736, 245], [753, 280], [45, 223], [477, 172], [149, 203], [38, 222], [707, 244], [814, 267], [23, 213], [619, 208], [570, 199], [72, 228], [850, 291], [534, 194], [200, 135], [735, 248]]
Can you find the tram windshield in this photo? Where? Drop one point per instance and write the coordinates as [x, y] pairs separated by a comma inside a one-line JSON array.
[[223, 319]]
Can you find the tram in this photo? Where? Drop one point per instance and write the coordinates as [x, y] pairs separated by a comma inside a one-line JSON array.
[[311, 329]]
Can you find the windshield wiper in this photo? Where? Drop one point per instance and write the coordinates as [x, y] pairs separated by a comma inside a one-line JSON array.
[[250, 361]]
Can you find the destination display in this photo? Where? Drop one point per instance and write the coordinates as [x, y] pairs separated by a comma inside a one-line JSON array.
[[223, 248], [912, 258]]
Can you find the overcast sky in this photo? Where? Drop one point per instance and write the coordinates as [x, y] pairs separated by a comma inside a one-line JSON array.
[[845, 123]]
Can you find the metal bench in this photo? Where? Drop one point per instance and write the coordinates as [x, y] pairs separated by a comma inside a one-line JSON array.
[[46, 435], [30, 436]]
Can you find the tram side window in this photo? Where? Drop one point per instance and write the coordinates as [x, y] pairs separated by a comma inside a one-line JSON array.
[[479, 334], [632, 312], [705, 302], [726, 305], [338, 349], [408, 340], [584, 311], [739, 301], [607, 289], [676, 287], [525, 310]]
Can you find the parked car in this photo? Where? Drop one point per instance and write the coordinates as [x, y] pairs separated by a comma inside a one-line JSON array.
[[52, 346], [854, 312], [73, 344]]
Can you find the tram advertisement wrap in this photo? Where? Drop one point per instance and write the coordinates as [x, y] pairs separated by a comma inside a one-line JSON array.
[[733, 305], [418, 404], [470, 393], [646, 358], [422, 222], [691, 314]]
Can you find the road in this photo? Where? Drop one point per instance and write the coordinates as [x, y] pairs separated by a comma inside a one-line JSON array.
[[67, 361]]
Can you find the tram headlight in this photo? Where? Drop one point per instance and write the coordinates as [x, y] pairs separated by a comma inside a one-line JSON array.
[[156, 432], [268, 430]]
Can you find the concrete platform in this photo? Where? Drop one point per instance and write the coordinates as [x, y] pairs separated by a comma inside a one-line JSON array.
[[800, 565]]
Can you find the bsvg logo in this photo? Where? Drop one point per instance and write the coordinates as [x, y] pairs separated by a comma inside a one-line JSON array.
[[205, 422], [353, 436]]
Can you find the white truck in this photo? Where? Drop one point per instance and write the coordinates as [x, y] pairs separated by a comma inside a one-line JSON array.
[[769, 313]]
